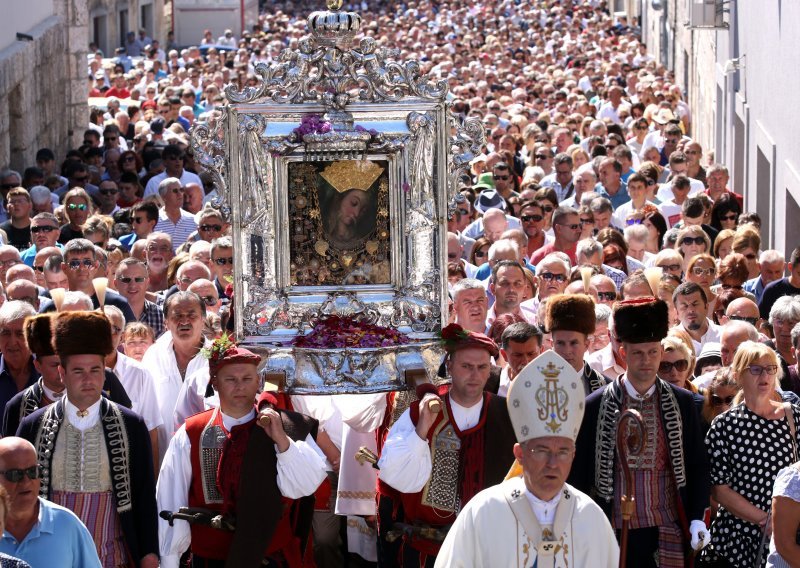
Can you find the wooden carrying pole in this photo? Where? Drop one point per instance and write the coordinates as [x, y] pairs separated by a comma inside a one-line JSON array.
[[631, 440]]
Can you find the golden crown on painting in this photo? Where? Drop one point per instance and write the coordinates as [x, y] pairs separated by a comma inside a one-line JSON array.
[[352, 174]]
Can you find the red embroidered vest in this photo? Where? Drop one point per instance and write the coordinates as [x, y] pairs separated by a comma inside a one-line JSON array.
[[216, 488], [463, 463]]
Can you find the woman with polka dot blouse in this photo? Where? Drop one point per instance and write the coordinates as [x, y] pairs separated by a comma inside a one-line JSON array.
[[748, 445]]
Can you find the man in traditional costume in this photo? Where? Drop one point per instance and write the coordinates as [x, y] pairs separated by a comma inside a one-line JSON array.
[[671, 474], [94, 454], [222, 462], [570, 319], [536, 519], [440, 459]]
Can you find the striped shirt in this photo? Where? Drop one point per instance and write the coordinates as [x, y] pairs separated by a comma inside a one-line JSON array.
[[179, 231]]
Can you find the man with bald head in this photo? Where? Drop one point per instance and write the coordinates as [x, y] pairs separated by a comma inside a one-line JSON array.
[[733, 334], [25, 291], [455, 254], [20, 272], [205, 288], [742, 309], [492, 225], [31, 521], [9, 256], [39, 261]]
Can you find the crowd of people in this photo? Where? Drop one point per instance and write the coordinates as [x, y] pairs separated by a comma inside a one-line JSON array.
[[592, 225]]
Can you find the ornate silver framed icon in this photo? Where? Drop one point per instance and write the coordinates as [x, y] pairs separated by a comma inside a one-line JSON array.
[[337, 172]]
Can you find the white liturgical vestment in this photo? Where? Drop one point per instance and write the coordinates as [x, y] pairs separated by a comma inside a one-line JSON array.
[[500, 527]]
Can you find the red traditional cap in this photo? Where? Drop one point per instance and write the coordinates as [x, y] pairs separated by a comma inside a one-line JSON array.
[[223, 352], [455, 337]]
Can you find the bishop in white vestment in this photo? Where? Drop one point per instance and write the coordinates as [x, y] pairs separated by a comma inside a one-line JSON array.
[[536, 519]]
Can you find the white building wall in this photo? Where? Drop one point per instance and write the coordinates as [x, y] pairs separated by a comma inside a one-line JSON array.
[[746, 117]]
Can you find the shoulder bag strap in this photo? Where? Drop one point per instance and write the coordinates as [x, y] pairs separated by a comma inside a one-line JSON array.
[[787, 409]]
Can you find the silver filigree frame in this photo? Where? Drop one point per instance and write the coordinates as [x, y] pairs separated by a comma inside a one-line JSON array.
[[412, 138], [357, 87]]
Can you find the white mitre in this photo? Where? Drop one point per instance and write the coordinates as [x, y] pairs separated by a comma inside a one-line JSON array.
[[546, 399]]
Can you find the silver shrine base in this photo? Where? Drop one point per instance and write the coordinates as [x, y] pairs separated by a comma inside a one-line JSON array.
[[352, 370]]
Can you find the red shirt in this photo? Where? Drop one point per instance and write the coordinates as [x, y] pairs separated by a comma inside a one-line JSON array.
[[539, 255], [119, 93]]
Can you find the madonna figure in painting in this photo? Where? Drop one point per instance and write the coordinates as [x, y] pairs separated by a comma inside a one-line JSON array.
[[349, 212]]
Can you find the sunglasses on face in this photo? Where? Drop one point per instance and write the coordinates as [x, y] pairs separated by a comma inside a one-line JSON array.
[[223, 261], [630, 222], [81, 179], [607, 296], [751, 321], [502, 178], [211, 228], [109, 191], [719, 401], [529, 218], [731, 217], [573, 227], [129, 279], [17, 475], [43, 229], [39, 268], [670, 267], [129, 159], [697, 271], [74, 206], [680, 366], [480, 253], [587, 221], [76, 264], [542, 156], [693, 241], [549, 276]]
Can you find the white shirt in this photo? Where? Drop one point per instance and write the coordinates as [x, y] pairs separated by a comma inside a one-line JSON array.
[[604, 362], [301, 469], [405, 462], [505, 382], [665, 193], [621, 213], [160, 360], [712, 336], [141, 389], [186, 178], [82, 423]]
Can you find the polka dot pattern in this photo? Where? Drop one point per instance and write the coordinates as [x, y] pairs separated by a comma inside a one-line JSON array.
[[746, 451]]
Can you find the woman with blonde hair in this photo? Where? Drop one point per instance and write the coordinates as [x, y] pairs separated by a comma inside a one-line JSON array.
[[748, 445], [677, 361], [702, 270], [691, 241]]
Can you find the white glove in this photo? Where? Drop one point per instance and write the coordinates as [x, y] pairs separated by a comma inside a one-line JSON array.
[[700, 534]]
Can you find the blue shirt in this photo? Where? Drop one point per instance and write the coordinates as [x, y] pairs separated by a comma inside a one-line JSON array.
[[43, 547], [755, 286], [619, 198], [29, 254]]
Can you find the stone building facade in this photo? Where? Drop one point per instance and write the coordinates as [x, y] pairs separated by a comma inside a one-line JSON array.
[[42, 80]]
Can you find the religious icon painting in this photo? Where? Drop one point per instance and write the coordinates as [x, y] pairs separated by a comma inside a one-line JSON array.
[[339, 222]]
